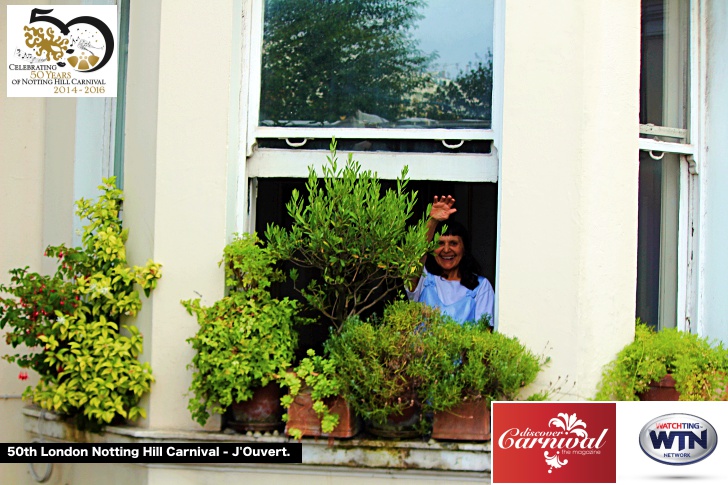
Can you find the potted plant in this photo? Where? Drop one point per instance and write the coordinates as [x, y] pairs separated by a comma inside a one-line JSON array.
[[72, 321], [356, 239], [314, 403], [695, 368], [245, 342], [383, 362], [469, 367], [353, 239]]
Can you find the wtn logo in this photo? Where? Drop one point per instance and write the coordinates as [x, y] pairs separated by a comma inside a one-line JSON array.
[[678, 439], [666, 439]]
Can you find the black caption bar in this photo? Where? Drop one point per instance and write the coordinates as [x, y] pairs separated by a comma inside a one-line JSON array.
[[150, 453]]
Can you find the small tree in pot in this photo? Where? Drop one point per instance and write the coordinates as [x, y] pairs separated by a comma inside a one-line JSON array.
[[355, 238]]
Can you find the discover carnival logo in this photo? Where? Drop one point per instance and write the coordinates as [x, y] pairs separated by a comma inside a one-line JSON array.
[[61, 51], [554, 442], [678, 439]]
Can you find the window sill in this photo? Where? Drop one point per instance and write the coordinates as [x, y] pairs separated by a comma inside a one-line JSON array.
[[467, 459]]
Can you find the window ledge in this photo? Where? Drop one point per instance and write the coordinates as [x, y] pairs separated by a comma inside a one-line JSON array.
[[468, 459]]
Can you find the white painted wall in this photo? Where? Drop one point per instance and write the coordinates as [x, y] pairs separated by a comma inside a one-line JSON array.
[[21, 202], [714, 176], [36, 177], [176, 178], [568, 183]]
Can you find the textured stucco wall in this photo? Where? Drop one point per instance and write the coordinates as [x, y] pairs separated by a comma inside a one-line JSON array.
[[178, 102], [568, 183]]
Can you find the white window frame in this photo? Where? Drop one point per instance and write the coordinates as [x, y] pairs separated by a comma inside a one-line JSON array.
[[263, 162], [690, 151]]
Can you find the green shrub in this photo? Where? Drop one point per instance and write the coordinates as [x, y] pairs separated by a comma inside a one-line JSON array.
[[383, 363], [88, 368], [697, 365], [247, 338], [468, 362]]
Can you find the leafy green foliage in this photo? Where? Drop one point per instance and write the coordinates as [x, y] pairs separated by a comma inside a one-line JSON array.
[[383, 363], [417, 355], [698, 366], [320, 377], [88, 369], [247, 338], [356, 237], [469, 362]]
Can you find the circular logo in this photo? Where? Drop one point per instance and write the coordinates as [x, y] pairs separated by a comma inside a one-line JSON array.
[[678, 439], [81, 38]]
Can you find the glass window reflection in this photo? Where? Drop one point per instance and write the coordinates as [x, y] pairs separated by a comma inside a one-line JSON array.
[[377, 63]]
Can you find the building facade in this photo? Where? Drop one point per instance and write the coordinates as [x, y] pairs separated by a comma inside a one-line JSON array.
[[586, 170]]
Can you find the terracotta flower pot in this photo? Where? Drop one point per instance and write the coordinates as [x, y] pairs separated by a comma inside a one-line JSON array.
[[262, 412], [398, 425], [662, 390], [301, 416], [469, 421]]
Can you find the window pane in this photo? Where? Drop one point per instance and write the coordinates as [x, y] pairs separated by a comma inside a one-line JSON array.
[[664, 77], [377, 63], [663, 102], [657, 251]]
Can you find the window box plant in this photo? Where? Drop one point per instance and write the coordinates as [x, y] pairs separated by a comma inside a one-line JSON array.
[[697, 366], [246, 340], [84, 352], [314, 404], [469, 368], [382, 364]]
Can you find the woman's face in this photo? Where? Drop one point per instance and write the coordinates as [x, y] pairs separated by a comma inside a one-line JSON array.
[[449, 253]]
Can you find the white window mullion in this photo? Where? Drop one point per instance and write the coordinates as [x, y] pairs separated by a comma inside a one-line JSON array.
[[690, 168], [695, 55], [255, 59], [693, 266], [251, 201], [683, 244]]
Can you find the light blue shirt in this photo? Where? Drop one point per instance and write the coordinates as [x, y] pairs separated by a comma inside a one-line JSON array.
[[454, 299]]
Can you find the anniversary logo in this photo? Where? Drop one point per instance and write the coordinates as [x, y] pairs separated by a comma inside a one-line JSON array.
[[554, 442], [66, 50]]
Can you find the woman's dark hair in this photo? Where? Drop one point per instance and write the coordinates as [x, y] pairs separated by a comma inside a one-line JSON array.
[[469, 267]]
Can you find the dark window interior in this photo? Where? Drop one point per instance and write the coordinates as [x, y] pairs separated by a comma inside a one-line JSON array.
[[477, 210]]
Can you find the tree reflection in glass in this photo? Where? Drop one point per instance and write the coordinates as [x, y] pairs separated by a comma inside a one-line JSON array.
[[377, 63]]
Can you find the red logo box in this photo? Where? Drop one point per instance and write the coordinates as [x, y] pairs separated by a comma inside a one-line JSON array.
[[554, 442]]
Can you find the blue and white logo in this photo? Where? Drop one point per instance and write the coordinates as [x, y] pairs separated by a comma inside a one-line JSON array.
[[678, 439]]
